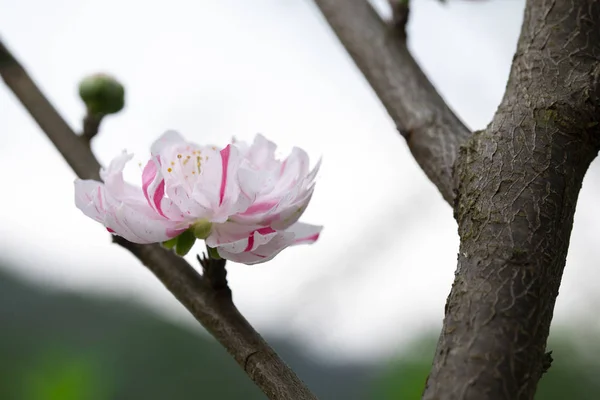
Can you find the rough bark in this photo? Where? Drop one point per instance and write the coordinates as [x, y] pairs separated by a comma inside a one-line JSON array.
[[514, 186], [518, 186]]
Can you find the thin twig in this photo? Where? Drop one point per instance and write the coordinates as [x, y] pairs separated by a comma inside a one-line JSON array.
[[91, 125], [433, 132], [400, 12], [213, 308]]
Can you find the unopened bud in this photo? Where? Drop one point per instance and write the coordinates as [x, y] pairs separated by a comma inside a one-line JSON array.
[[102, 94]]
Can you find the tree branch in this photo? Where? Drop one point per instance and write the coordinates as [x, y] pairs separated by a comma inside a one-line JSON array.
[[433, 132], [208, 300]]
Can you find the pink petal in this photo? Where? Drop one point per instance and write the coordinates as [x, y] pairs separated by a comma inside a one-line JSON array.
[[153, 186], [225, 167]]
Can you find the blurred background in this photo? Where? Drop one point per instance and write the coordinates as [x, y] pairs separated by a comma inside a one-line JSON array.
[[357, 314]]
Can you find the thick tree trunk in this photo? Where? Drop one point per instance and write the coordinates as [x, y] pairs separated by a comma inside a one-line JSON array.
[[513, 186], [517, 187]]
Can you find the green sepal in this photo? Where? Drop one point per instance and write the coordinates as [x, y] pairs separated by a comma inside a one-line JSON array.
[[202, 229], [169, 244], [185, 242], [213, 253]]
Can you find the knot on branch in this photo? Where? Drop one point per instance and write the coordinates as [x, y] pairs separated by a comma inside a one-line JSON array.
[[400, 11], [213, 270], [547, 362]]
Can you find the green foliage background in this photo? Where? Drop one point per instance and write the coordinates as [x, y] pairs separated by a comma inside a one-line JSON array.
[[65, 346]]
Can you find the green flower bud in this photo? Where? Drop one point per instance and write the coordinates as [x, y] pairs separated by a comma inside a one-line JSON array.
[[102, 94], [202, 229], [185, 242]]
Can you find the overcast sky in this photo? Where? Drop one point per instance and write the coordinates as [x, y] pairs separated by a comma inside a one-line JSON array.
[[212, 69]]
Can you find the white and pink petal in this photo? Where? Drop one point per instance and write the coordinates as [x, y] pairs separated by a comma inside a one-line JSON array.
[[262, 253], [129, 220], [254, 240], [112, 176], [89, 198], [154, 191], [257, 250], [129, 223]]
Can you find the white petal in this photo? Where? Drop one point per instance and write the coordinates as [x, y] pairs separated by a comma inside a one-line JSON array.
[[305, 233], [132, 221], [294, 169], [262, 153], [167, 139], [285, 217], [135, 227], [114, 182], [88, 198]]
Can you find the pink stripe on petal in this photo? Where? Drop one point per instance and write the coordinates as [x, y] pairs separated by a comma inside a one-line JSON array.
[[262, 231], [100, 199], [266, 230], [148, 176], [311, 238], [110, 230], [225, 163], [158, 196], [250, 243], [282, 167], [259, 208]]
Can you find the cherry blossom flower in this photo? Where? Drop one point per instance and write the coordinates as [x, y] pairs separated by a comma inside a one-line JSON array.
[[242, 200]]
